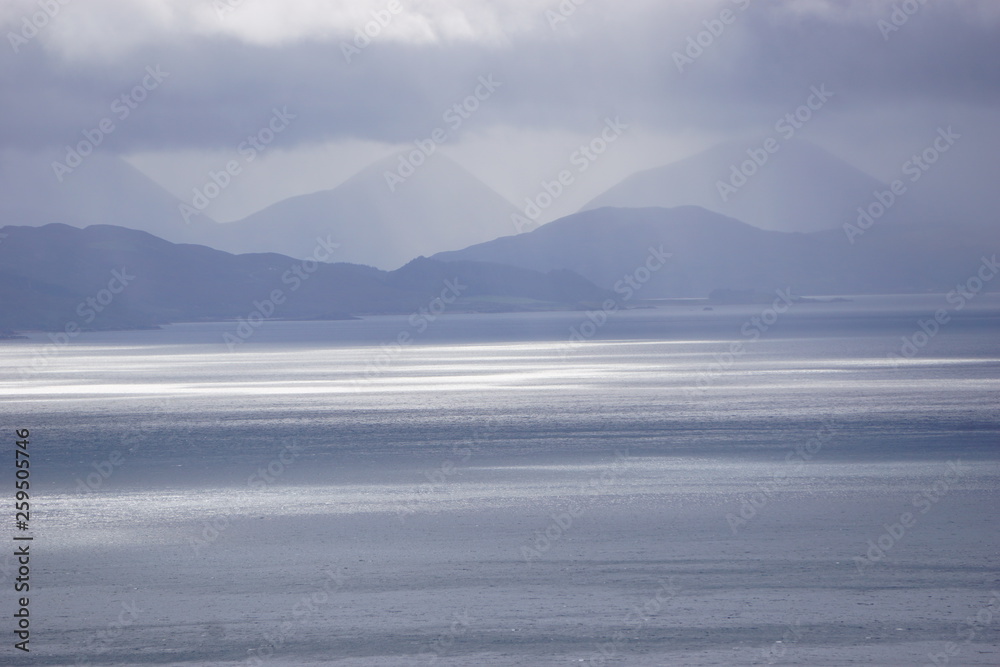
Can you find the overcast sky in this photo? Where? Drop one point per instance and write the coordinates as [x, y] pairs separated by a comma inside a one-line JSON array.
[[230, 63]]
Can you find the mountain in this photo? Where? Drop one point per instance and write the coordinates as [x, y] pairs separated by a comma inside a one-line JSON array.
[[439, 207], [713, 252], [107, 277], [103, 189], [799, 188]]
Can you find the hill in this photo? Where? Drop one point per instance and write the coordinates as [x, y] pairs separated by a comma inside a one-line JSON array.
[[713, 252], [107, 277]]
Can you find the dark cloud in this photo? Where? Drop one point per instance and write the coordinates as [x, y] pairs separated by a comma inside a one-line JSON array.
[[599, 62]]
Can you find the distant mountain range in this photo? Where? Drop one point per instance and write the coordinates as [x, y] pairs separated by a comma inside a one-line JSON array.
[[441, 206], [104, 189], [798, 188], [710, 251], [107, 277], [783, 228]]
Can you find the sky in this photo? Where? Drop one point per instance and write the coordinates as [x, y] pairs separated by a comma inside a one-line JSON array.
[[681, 75]]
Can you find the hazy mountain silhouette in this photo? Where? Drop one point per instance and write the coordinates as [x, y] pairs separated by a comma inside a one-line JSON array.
[[51, 275], [103, 189], [800, 187], [711, 251], [440, 207]]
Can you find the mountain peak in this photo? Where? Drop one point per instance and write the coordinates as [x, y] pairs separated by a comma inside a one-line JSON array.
[[382, 216], [788, 185]]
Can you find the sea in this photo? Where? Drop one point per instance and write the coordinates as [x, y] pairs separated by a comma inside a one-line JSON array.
[[679, 484]]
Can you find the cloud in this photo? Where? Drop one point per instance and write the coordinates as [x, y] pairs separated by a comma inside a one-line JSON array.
[[229, 70]]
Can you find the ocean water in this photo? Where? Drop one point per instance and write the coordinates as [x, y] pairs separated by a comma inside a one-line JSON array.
[[657, 486]]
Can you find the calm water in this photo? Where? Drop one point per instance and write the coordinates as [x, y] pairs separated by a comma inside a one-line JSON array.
[[221, 483], [660, 382]]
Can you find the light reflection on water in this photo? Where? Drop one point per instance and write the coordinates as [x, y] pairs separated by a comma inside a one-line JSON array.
[[540, 430], [73, 519], [192, 402]]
